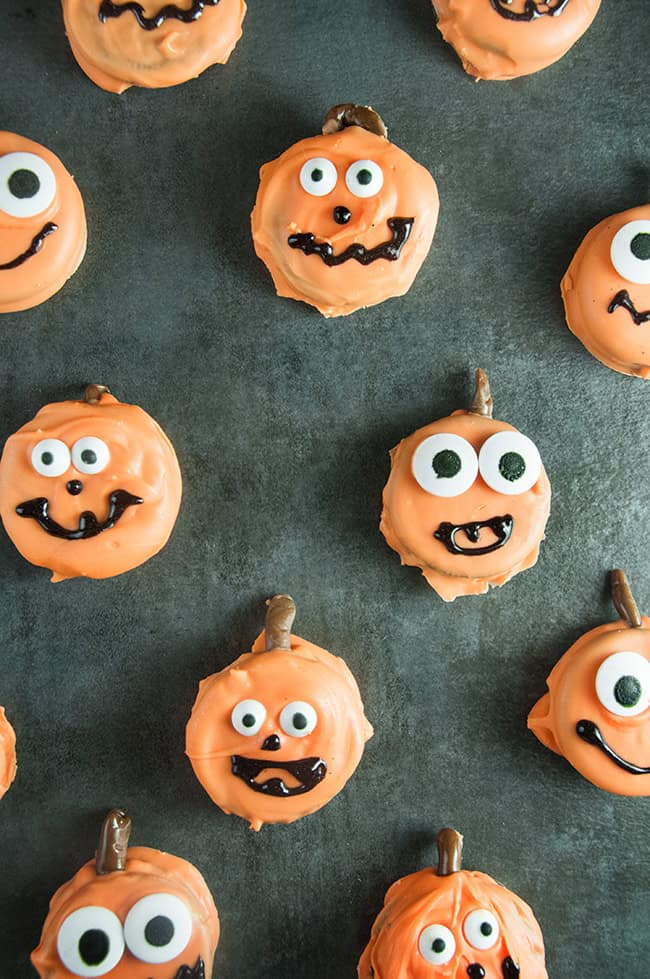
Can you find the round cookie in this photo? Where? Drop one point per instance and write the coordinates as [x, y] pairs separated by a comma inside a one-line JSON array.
[[130, 913], [606, 292], [151, 44], [596, 713], [279, 732], [502, 39], [7, 753], [344, 220], [450, 922], [89, 488], [42, 224], [467, 500]]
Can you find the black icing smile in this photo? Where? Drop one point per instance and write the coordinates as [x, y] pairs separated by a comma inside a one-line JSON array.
[[591, 733], [198, 972], [170, 11], [508, 969], [623, 300], [36, 245], [532, 9], [501, 527], [118, 502], [308, 771], [390, 250]]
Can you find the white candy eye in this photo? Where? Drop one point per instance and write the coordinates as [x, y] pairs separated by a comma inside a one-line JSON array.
[[158, 928], [298, 719], [510, 463], [364, 178], [630, 252], [51, 457], [90, 455], [318, 176], [623, 684], [90, 941], [481, 929], [27, 185], [445, 465], [437, 945], [248, 716]]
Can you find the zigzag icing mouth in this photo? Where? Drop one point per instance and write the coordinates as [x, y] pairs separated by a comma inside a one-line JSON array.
[[35, 246], [532, 9], [501, 527], [592, 734], [623, 300], [108, 9], [389, 250], [118, 502], [307, 771]]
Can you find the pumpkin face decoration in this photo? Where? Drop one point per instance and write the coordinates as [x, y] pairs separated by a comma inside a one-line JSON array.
[[467, 500], [597, 709], [277, 734], [7, 753], [606, 292], [131, 913], [42, 224], [502, 39], [151, 44], [90, 487], [450, 923], [344, 220]]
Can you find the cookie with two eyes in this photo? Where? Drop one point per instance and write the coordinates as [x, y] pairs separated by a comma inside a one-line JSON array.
[[467, 500]]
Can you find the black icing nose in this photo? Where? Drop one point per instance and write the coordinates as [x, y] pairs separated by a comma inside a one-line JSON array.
[[342, 215], [475, 971], [74, 487], [272, 743]]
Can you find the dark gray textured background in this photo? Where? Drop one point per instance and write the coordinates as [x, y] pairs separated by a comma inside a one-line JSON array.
[[282, 422]]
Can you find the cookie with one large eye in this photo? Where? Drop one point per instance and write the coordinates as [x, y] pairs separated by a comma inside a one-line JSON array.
[[467, 500], [279, 732], [597, 709], [89, 488], [42, 224], [451, 922], [7, 753], [119, 43], [345, 219], [129, 913], [606, 292], [502, 39]]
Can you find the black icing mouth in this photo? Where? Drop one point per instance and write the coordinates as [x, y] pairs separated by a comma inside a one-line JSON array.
[[198, 972], [308, 771], [623, 300], [118, 502], [591, 733], [170, 11], [501, 527], [36, 245], [508, 969], [532, 9], [390, 250]]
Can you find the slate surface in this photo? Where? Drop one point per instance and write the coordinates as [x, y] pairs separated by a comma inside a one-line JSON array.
[[282, 422]]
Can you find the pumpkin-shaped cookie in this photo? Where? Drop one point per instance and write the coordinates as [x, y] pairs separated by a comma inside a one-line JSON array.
[[450, 923], [42, 224], [7, 753], [345, 219], [119, 43], [501, 39], [130, 913], [89, 487], [467, 500], [277, 734], [597, 709]]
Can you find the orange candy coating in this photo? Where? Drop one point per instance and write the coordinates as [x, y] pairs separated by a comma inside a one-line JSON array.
[[142, 462], [116, 52], [492, 45], [7, 753], [57, 253]]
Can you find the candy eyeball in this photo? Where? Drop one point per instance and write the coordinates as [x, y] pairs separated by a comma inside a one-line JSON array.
[[630, 252], [50, 457], [364, 178], [623, 684], [248, 716], [298, 719], [437, 945], [481, 929], [27, 185], [158, 928], [90, 941], [445, 465], [510, 463], [318, 176]]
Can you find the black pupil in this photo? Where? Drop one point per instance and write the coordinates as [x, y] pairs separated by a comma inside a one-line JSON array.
[[93, 946], [640, 246], [248, 720], [299, 722], [47, 458], [627, 691], [512, 466], [439, 945], [446, 464], [486, 928], [317, 175], [364, 177], [89, 457], [24, 183], [159, 931]]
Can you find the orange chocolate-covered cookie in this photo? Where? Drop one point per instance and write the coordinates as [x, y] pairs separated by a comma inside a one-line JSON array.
[[89, 488], [467, 500], [277, 734], [152, 44], [453, 923], [130, 913], [42, 224], [502, 39], [597, 709], [7, 753], [606, 292], [344, 220]]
